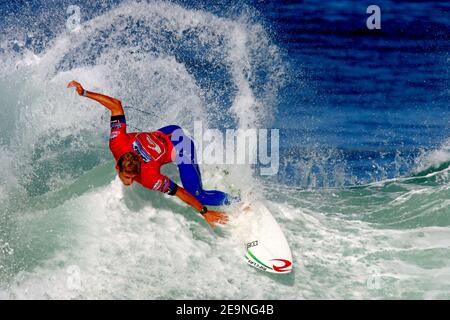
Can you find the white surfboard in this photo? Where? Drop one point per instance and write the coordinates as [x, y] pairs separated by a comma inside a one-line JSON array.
[[266, 247]]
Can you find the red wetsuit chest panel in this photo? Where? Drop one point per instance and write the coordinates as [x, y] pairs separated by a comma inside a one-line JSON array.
[[152, 146], [154, 150]]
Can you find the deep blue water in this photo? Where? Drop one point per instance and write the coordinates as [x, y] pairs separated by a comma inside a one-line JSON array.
[[380, 97]]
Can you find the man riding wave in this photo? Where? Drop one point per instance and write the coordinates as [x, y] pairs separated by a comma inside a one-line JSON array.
[[140, 155]]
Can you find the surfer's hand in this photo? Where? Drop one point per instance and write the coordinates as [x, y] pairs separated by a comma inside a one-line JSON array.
[[77, 86], [213, 217]]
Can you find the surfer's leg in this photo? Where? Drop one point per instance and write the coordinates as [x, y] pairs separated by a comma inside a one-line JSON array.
[[185, 159], [189, 170], [214, 198]]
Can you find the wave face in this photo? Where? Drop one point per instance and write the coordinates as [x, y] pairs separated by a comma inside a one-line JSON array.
[[365, 219]]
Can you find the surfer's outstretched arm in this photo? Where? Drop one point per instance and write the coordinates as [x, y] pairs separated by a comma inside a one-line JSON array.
[[112, 104]]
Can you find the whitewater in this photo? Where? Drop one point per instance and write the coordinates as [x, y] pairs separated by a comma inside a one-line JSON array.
[[70, 230]]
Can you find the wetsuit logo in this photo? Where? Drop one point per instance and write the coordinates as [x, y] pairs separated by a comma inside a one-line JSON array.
[[114, 135], [138, 148], [115, 124], [149, 147], [152, 145], [165, 184], [157, 185]]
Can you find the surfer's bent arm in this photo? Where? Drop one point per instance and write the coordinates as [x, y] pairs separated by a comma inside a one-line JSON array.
[[189, 199], [114, 105], [212, 217]]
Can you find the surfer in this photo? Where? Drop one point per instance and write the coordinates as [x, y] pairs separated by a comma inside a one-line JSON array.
[[139, 156]]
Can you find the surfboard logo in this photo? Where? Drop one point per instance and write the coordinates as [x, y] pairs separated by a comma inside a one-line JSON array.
[[252, 244], [266, 246], [257, 265], [138, 148], [287, 264], [255, 262]]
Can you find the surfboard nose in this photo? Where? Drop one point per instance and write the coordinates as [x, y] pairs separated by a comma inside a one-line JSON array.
[[266, 247]]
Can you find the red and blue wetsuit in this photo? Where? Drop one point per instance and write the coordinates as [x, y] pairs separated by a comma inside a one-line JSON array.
[[168, 144]]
